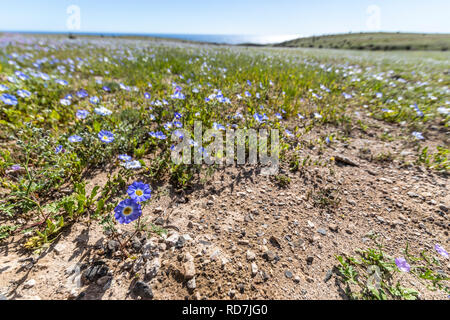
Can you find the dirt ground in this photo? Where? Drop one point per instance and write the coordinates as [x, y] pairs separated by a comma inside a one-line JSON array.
[[242, 236]]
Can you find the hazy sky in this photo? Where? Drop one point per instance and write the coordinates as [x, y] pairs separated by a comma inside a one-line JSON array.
[[258, 17]]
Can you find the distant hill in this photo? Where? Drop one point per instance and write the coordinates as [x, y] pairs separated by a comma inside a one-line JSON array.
[[374, 41]]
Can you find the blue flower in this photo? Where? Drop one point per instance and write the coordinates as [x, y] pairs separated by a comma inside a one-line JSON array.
[[416, 108], [61, 82], [177, 124], [21, 75], [127, 211], [135, 164], [147, 95], [8, 99], [418, 135], [82, 114], [58, 149], [65, 102], [3, 87], [159, 134], [102, 111], [218, 126], [139, 191], [177, 115], [260, 117], [125, 157], [106, 88], [106, 136], [23, 93], [317, 115], [178, 133], [82, 94], [94, 100], [75, 138], [288, 133], [347, 96]]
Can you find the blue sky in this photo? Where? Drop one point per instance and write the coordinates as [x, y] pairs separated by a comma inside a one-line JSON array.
[[254, 17]]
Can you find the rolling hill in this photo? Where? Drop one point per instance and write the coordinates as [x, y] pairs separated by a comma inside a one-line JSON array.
[[374, 41]]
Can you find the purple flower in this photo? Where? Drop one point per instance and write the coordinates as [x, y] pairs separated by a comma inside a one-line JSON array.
[[402, 264], [127, 210], [139, 191], [441, 250], [147, 95], [58, 149], [16, 167]]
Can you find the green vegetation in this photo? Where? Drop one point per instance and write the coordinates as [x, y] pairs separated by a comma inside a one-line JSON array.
[[374, 41]]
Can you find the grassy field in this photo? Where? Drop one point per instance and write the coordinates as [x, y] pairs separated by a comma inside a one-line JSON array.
[[374, 41], [74, 109]]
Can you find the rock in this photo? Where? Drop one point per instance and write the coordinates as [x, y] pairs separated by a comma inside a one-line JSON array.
[[180, 242], [94, 272], [136, 244], [159, 221], [254, 268], [29, 284], [297, 279], [328, 275], [158, 210], [189, 266], [2, 297], [243, 242], [413, 195], [309, 260], [345, 160], [275, 242], [112, 246], [152, 268], [103, 281], [322, 232], [141, 289], [241, 287], [191, 284], [333, 227], [250, 255], [172, 240], [59, 248], [288, 274], [269, 255]]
